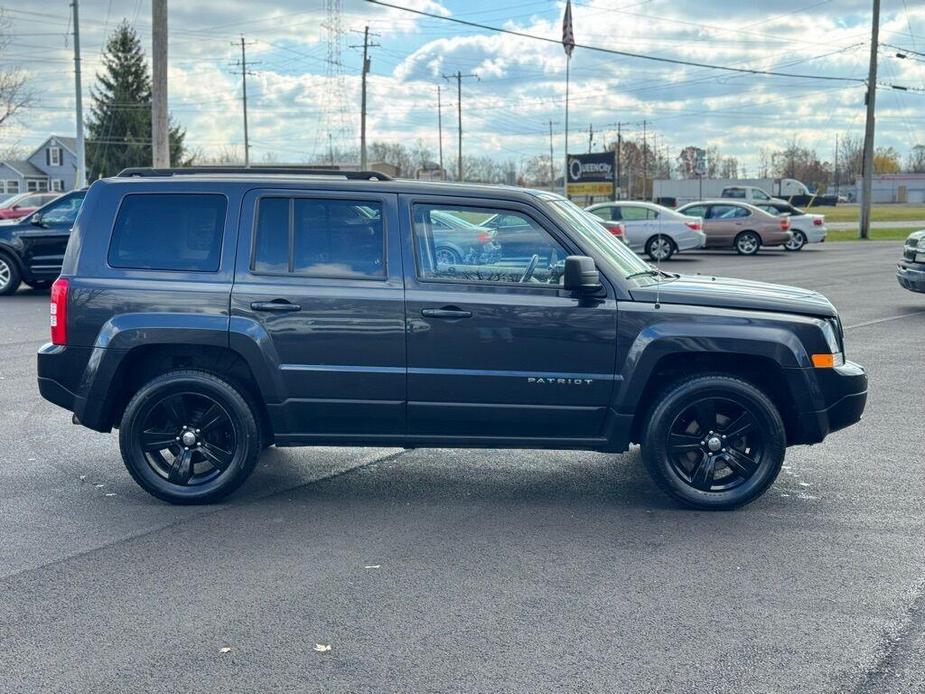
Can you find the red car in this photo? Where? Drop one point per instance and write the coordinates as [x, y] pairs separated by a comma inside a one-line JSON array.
[[23, 204]]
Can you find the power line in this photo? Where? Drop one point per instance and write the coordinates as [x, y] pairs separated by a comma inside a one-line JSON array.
[[611, 51]]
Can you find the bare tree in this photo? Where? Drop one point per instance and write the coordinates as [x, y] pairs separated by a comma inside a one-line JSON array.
[[15, 93]]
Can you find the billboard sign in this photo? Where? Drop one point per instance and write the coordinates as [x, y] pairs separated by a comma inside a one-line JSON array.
[[591, 174]]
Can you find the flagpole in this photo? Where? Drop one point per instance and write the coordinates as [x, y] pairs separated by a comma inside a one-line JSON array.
[[568, 63]]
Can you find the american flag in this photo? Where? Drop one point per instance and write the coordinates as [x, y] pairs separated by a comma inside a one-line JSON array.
[[568, 37]]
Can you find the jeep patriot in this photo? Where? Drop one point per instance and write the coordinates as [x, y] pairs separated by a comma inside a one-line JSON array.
[[207, 314]]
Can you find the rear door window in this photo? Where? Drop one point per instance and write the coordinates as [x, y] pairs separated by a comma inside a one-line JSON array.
[[169, 231], [318, 237]]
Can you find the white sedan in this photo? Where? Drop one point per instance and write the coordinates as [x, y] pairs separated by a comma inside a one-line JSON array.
[[806, 227], [658, 231]]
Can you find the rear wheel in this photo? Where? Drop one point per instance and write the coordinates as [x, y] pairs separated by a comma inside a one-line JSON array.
[[447, 256], [714, 442], [189, 437], [660, 248], [9, 275], [747, 243], [797, 242]]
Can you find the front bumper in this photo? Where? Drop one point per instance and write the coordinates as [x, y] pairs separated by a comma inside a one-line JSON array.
[[911, 276], [838, 396]]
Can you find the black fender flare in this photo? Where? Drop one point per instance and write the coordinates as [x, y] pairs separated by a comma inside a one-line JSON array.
[[124, 333], [663, 339]]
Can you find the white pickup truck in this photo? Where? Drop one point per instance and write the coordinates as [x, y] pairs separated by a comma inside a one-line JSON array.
[[750, 194]]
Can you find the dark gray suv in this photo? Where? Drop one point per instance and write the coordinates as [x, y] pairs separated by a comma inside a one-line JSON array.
[[209, 314]]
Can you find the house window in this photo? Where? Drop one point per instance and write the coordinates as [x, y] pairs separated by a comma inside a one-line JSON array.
[[53, 156], [12, 186], [57, 184], [34, 185]]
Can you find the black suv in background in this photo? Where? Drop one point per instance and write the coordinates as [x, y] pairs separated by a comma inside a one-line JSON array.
[[208, 315], [32, 248]]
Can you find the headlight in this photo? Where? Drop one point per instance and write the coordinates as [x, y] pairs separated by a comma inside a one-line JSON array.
[[922, 244]]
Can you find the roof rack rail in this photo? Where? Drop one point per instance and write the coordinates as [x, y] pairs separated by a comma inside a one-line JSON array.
[[149, 172]]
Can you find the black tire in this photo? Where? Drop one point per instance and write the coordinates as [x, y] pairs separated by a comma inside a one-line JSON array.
[[206, 408], [747, 243], [797, 242], [9, 275], [695, 462], [661, 247]]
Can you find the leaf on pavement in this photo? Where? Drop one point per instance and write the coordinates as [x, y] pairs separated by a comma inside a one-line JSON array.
[[322, 647]]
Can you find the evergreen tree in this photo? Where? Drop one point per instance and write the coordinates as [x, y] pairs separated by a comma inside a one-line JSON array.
[[119, 125]]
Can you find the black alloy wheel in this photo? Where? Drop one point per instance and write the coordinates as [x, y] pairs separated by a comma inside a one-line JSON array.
[[189, 437], [714, 442]]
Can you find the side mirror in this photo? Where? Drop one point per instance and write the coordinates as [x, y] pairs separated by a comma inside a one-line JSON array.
[[37, 220], [581, 275]]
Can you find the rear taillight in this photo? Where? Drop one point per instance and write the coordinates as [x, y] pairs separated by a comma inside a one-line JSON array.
[[58, 311], [694, 226], [785, 224], [818, 222], [485, 237]]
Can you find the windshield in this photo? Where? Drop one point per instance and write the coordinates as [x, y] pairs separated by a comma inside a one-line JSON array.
[[596, 236]]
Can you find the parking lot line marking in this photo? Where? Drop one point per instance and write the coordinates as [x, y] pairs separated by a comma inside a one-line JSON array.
[[883, 320]]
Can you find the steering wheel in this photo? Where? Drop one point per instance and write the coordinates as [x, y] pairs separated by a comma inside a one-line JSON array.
[[531, 266]]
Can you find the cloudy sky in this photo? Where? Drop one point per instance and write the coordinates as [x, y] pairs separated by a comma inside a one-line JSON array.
[[296, 99]]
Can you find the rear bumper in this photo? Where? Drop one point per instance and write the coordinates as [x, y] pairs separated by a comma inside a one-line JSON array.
[[690, 241], [842, 394], [911, 276], [60, 380]]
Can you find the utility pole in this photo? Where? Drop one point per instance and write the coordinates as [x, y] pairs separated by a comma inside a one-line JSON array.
[[160, 145], [244, 74], [440, 133], [645, 161], [868, 167], [81, 150], [836, 167], [366, 63], [459, 77], [619, 155], [552, 167], [590, 136]]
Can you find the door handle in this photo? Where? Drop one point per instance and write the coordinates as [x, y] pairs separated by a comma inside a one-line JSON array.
[[445, 312], [279, 305]]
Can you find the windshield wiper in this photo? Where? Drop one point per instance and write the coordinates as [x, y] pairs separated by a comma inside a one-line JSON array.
[[650, 271]]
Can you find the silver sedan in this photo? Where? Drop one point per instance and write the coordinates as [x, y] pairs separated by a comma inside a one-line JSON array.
[[657, 231]]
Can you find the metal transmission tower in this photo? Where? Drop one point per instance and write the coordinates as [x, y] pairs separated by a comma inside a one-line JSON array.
[[334, 106]]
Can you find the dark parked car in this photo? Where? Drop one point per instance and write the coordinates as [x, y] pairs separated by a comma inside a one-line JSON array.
[[208, 316], [910, 272], [460, 242], [32, 248]]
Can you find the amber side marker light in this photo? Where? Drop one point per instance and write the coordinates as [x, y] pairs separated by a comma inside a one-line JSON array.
[[828, 361]]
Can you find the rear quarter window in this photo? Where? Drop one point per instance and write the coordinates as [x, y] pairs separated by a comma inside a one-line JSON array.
[[169, 231]]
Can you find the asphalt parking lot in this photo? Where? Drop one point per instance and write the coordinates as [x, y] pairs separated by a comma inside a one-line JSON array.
[[439, 570]]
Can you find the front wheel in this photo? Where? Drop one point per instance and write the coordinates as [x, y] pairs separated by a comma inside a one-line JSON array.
[[747, 243], [797, 242], [9, 275], [714, 442], [660, 248], [189, 437]]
